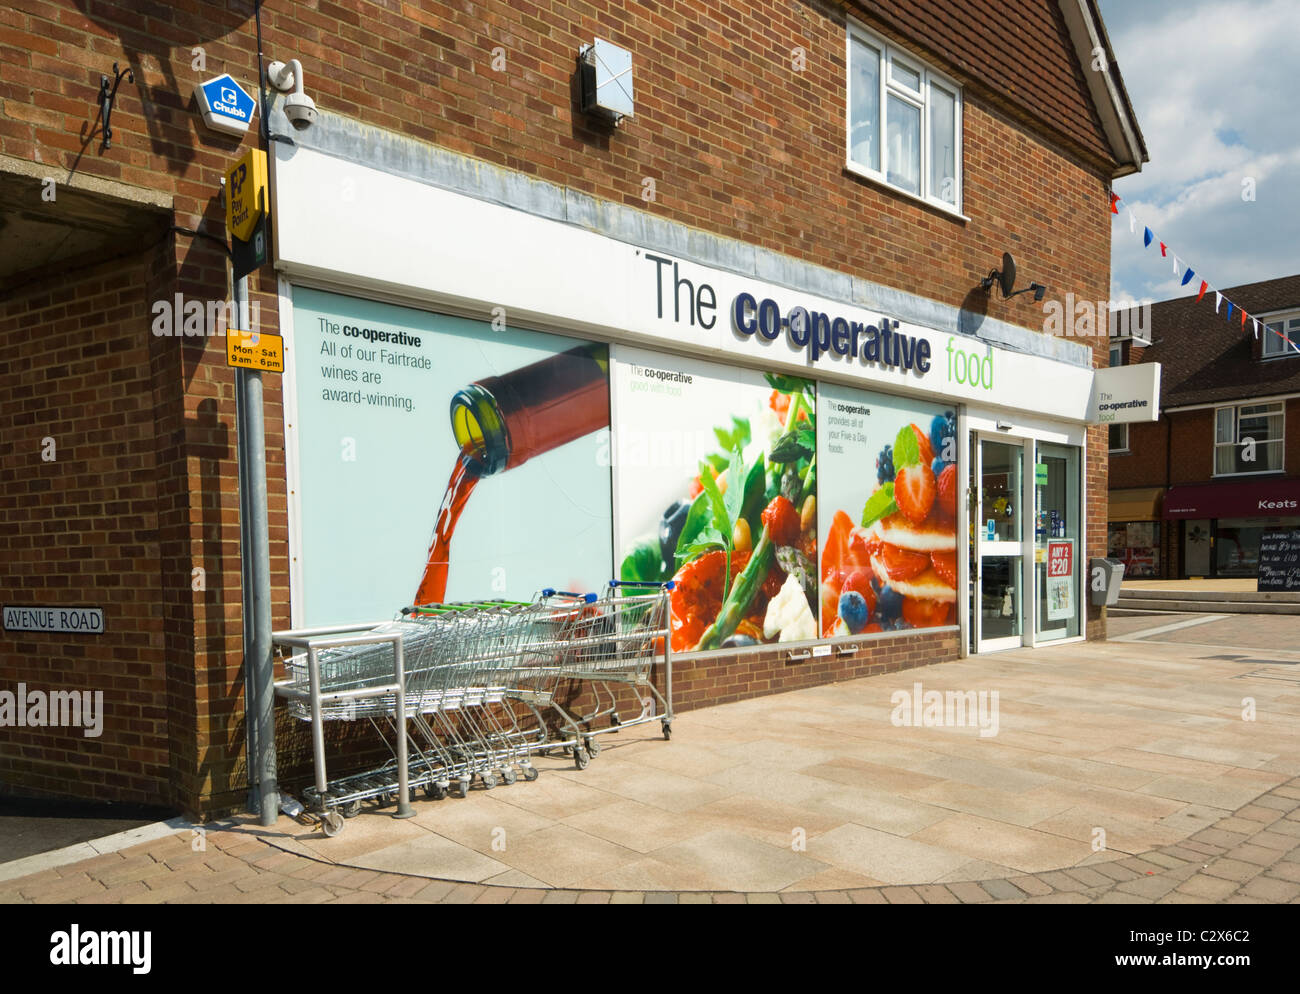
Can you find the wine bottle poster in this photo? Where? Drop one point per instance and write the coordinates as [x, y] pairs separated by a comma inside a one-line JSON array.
[[887, 512], [716, 481], [377, 389]]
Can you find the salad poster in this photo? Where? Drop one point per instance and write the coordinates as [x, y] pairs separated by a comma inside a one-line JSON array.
[[888, 511], [715, 480]]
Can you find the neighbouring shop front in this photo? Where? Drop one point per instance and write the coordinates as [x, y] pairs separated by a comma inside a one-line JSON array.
[[485, 403], [1134, 532], [1220, 524]]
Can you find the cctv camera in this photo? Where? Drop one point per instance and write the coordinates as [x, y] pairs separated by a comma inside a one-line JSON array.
[[299, 108]]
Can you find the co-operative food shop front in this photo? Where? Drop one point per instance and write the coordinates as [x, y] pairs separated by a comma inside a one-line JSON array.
[[484, 402]]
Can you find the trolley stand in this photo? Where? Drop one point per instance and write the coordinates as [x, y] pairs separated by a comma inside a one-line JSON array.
[[313, 640]]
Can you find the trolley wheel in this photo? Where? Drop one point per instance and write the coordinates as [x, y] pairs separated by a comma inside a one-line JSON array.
[[668, 730], [614, 719], [509, 776], [460, 788], [593, 746], [530, 773], [581, 757], [383, 800], [489, 780], [351, 809], [435, 791], [331, 823]]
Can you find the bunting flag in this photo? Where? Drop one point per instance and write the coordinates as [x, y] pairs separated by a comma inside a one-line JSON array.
[[1187, 273]]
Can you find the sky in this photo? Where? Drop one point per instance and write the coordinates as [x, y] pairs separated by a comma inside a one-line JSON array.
[[1214, 87]]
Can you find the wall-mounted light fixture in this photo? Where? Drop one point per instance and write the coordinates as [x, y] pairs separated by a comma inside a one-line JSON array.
[[1006, 281]]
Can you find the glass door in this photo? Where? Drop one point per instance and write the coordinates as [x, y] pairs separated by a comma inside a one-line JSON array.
[[1057, 553], [998, 523]]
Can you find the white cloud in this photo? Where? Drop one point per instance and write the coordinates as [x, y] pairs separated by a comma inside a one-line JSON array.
[[1209, 85]]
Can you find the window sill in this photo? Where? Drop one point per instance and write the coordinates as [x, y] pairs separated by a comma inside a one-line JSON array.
[[861, 173], [1262, 472], [1119, 452]]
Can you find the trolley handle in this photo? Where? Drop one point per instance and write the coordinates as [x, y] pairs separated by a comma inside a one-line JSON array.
[[666, 585], [552, 592]]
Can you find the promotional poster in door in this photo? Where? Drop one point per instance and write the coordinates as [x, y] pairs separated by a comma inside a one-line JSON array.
[[392, 513], [716, 482], [888, 513]]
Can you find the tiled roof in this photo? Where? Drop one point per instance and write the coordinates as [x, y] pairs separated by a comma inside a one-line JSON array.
[[1205, 357]]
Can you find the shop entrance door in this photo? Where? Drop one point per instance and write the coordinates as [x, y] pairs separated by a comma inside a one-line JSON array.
[[998, 523]]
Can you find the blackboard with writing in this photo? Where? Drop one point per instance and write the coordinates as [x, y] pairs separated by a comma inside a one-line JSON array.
[[1279, 561]]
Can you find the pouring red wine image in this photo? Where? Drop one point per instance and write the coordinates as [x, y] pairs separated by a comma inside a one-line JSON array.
[[501, 422]]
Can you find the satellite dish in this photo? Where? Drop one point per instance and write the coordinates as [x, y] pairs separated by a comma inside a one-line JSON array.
[[1007, 278]]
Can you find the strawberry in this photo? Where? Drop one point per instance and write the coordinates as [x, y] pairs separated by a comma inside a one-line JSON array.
[[902, 564], [947, 489], [921, 613], [914, 492], [860, 580], [860, 548], [945, 564], [923, 441]]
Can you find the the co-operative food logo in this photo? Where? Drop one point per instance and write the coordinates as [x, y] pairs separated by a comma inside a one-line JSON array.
[[817, 333]]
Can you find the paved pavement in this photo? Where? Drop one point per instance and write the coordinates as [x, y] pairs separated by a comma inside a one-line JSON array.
[[816, 796]]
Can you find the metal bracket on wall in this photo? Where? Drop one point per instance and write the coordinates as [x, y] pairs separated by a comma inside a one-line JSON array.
[[106, 98]]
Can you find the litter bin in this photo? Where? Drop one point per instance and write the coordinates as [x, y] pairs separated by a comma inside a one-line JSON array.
[[1104, 578]]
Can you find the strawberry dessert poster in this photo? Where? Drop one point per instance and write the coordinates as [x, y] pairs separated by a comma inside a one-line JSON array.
[[887, 511]]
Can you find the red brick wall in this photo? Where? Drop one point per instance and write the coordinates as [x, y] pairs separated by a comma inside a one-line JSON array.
[[738, 143], [1144, 463], [82, 529]]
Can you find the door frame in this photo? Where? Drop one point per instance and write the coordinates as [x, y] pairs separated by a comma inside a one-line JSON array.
[[974, 423], [985, 549]]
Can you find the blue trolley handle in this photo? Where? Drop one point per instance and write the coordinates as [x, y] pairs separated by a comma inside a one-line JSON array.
[[552, 592]]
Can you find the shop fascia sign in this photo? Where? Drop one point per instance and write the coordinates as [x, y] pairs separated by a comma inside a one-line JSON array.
[[820, 334], [572, 279], [1125, 394]]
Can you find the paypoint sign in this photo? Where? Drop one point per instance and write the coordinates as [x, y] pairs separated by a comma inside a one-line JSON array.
[[246, 194]]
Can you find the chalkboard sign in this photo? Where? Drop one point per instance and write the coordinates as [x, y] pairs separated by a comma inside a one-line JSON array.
[[1279, 561]]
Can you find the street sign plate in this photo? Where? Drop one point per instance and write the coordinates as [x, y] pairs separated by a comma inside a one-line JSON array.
[[253, 350]]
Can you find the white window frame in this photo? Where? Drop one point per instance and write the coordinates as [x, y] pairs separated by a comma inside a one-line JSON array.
[[1281, 350], [1273, 409], [889, 54], [1124, 447]]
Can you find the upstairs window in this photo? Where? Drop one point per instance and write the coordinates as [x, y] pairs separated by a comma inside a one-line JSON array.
[[1248, 439], [1119, 438], [1117, 354], [904, 122], [1278, 325]]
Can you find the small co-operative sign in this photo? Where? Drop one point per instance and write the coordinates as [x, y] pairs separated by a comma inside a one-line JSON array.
[[225, 105], [254, 350]]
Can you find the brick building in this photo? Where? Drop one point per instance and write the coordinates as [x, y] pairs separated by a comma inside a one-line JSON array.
[[1191, 494], [801, 188]]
